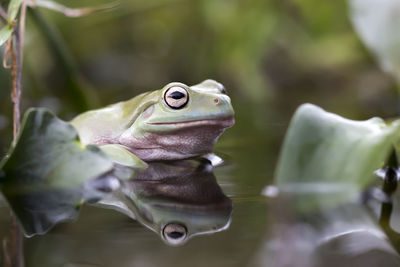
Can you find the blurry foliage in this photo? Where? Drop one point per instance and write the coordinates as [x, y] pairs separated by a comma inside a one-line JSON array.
[[318, 148], [270, 55], [377, 23]]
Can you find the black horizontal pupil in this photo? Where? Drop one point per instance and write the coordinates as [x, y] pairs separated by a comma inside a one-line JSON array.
[[176, 95], [175, 235]]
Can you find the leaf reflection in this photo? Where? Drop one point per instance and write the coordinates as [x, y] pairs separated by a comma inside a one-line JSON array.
[[344, 235]]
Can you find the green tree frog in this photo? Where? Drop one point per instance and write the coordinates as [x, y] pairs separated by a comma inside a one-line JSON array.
[[175, 122]]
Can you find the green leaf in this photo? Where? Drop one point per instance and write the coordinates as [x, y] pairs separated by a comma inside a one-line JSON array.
[[377, 24], [322, 148], [5, 33], [325, 162], [44, 175], [48, 151], [13, 9]]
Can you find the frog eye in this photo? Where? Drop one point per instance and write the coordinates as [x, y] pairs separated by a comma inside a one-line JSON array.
[[174, 233], [176, 97]]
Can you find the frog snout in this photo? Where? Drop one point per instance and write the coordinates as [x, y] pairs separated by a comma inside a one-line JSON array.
[[221, 100]]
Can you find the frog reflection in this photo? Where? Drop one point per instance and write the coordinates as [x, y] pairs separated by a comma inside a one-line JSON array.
[[177, 200]]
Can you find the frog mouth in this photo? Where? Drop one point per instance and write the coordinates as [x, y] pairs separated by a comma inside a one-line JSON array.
[[223, 122]]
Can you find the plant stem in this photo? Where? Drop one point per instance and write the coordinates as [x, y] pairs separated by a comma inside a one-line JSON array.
[[16, 74], [17, 258], [17, 246]]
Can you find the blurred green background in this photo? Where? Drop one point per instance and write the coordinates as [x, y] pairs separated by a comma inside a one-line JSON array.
[[270, 55]]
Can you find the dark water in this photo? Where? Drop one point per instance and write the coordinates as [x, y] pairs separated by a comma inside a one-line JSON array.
[[228, 220], [252, 230], [104, 237], [229, 226]]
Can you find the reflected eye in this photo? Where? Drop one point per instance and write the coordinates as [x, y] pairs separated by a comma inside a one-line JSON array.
[[174, 233], [176, 97]]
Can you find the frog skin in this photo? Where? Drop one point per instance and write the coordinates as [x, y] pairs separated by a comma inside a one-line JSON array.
[[176, 199], [175, 122]]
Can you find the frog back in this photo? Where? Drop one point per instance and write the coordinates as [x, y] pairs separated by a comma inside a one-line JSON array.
[[105, 125]]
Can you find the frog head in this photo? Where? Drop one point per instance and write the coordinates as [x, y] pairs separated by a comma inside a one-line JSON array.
[[180, 122], [175, 122]]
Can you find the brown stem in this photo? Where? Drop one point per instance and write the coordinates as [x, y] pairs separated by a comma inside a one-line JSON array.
[[22, 30], [16, 244], [6, 259], [16, 74], [16, 82], [13, 250]]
